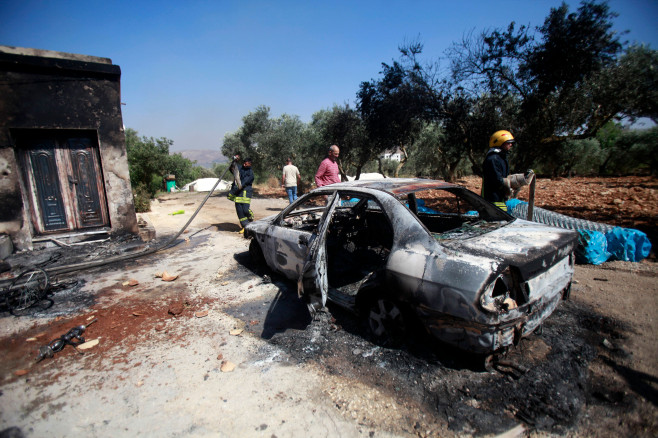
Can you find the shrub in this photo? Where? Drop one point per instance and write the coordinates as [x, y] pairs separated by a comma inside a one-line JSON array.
[[141, 199]]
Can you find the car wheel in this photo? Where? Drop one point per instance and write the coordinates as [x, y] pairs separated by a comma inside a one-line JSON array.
[[386, 321], [256, 253]]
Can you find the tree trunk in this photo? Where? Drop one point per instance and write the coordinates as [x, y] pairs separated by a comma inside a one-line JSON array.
[[381, 169], [452, 169], [402, 161]]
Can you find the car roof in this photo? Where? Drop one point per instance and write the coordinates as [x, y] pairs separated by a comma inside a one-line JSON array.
[[396, 186]]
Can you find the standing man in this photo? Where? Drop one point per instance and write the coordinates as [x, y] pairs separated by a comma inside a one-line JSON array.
[[496, 184], [289, 180], [328, 171], [241, 192]]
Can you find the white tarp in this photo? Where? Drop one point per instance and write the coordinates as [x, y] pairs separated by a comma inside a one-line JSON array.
[[367, 177], [205, 184]]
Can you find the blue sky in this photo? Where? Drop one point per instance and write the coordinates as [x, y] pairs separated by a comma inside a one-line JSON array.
[[192, 69]]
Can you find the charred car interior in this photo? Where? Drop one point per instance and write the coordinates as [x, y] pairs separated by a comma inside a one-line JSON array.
[[397, 249]]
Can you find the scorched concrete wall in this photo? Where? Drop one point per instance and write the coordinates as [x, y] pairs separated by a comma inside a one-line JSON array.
[[59, 91]]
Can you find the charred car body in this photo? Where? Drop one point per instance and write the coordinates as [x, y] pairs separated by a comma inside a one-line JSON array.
[[398, 248]]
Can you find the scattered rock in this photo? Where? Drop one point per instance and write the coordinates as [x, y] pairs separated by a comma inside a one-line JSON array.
[[227, 366], [89, 344], [201, 314], [168, 277], [176, 309]]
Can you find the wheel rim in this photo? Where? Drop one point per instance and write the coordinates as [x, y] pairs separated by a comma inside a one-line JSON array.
[[385, 317]]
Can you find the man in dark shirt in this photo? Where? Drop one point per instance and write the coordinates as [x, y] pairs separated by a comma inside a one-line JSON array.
[[497, 184]]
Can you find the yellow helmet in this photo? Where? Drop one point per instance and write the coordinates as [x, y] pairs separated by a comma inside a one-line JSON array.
[[500, 137]]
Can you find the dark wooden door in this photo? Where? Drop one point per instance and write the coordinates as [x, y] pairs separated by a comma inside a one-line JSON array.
[[85, 183], [64, 178], [47, 186]]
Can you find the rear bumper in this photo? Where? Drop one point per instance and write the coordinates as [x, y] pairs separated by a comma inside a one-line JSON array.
[[484, 339]]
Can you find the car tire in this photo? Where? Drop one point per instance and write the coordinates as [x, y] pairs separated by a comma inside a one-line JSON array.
[[256, 253], [386, 321]]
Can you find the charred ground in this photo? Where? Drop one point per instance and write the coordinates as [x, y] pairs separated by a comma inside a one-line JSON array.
[[544, 383]]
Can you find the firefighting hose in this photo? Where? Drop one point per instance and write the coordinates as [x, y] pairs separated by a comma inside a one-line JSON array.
[[170, 242]]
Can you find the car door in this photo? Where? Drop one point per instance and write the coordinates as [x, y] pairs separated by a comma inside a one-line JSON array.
[[286, 241], [313, 284]]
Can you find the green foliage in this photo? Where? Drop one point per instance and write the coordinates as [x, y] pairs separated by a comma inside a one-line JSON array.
[[149, 162], [565, 80], [268, 142], [573, 157], [204, 173], [218, 170], [572, 47], [426, 157], [392, 109], [644, 150], [634, 152], [343, 126], [141, 198]]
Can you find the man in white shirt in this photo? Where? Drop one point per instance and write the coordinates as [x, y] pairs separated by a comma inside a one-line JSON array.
[[290, 179]]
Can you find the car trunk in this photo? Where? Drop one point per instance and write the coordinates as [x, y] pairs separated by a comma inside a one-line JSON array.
[[528, 246]]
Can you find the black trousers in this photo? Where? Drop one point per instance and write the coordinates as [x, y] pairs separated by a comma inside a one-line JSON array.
[[245, 215]]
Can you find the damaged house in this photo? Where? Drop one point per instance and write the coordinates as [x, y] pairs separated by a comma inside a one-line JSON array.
[[63, 164]]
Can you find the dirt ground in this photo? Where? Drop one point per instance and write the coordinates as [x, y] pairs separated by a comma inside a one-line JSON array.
[[227, 348]]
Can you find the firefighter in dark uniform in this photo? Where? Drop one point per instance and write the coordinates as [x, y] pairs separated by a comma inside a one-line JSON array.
[[497, 184], [241, 193]]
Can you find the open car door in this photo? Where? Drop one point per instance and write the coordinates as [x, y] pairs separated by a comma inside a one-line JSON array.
[[313, 283]]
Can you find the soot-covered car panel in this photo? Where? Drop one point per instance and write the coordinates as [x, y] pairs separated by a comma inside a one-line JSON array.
[[395, 249]]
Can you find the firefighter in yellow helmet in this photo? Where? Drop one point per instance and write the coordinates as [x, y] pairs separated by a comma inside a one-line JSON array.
[[497, 184]]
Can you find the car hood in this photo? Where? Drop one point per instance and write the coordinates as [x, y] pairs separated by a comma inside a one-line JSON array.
[[520, 243]]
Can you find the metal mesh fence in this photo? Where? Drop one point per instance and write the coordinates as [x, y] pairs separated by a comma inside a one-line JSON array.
[[558, 220]]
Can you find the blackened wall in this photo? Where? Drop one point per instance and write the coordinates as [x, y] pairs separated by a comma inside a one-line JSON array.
[[53, 90]]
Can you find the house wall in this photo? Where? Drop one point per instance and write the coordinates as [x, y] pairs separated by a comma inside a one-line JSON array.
[[53, 90]]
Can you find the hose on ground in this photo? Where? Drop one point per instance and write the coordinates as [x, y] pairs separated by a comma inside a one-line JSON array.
[[86, 265]]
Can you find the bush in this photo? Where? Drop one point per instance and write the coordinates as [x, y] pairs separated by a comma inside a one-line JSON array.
[[219, 168], [149, 161], [273, 182], [141, 199]]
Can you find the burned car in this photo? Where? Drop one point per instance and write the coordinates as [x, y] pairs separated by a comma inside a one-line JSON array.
[[399, 249]]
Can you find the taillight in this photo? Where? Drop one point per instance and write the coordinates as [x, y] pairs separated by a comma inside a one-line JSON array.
[[496, 297]]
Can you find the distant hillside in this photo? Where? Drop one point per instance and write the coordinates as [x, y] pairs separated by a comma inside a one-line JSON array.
[[204, 158]]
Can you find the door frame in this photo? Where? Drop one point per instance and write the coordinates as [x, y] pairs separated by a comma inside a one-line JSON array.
[[24, 140]]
